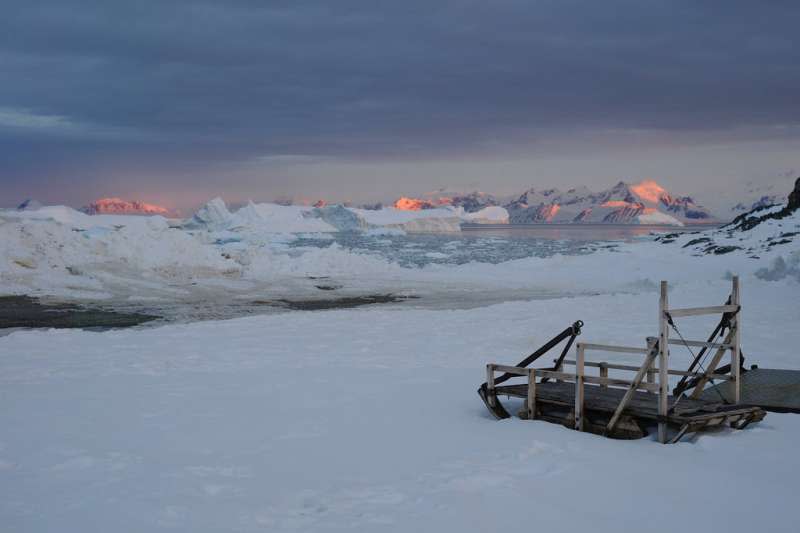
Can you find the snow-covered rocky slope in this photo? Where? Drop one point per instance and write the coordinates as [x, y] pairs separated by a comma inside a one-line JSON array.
[[640, 203], [771, 231], [753, 194], [645, 202]]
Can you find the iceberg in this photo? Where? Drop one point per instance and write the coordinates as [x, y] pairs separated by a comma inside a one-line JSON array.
[[213, 215]]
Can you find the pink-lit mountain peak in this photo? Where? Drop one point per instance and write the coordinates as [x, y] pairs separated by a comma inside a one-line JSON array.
[[649, 191], [118, 206]]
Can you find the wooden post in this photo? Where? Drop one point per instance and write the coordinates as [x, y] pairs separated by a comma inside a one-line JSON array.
[[651, 378], [663, 369], [736, 325], [490, 384], [651, 372], [579, 387], [603, 374], [532, 394]]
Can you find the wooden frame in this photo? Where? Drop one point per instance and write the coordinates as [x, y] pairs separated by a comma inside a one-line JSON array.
[[663, 369], [652, 376]]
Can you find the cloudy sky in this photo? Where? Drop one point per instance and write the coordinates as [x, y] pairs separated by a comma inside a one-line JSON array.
[[177, 101]]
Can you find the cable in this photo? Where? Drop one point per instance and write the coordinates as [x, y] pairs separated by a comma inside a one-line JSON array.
[[699, 363]]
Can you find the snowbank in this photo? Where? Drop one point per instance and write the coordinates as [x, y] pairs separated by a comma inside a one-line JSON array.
[[201, 428], [60, 251]]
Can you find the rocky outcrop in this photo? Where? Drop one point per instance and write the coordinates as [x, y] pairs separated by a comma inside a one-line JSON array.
[[764, 201], [474, 201], [794, 197], [29, 205], [748, 221], [469, 202]]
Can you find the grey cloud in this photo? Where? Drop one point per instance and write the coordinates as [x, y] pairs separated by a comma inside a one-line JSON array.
[[222, 81]]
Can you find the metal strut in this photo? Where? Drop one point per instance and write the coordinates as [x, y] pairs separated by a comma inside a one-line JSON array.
[[573, 331]]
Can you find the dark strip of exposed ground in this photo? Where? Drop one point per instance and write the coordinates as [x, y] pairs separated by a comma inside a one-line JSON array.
[[28, 312], [347, 302]]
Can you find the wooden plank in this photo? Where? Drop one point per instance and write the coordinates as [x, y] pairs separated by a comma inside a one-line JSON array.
[[643, 406], [651, 377], [531, 396], [736, 325], [604, 382], [651, 372], [507, 369], [696, 311], [700, 344], [579, 387], [637, 381], [552, 374], [612, 348], [612, 366], [663, 354], [681, 433], [653, 369], [603, 372], [696, 374]]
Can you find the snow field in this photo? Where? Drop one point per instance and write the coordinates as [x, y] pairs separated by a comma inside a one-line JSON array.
[[368, 420]]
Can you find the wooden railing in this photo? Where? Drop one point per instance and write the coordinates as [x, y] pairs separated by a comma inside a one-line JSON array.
[[651, 376]]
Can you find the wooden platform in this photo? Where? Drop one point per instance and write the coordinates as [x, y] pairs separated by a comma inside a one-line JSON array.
[[771, 388], [614, 405], [555, 401]]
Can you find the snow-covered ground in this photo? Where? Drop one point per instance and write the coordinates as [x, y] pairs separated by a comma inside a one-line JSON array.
[[367, 419]]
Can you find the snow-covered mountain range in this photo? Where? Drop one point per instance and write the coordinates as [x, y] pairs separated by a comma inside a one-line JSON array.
[[645, 202], [118, 206]]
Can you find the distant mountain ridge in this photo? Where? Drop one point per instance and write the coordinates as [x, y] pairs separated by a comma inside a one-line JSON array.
[[118, 206], [645, 202]]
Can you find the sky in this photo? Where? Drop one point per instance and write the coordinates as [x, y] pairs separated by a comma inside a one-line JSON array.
[[177, 102]]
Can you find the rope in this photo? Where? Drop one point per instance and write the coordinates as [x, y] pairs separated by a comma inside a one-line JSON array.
[[699, 363]]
